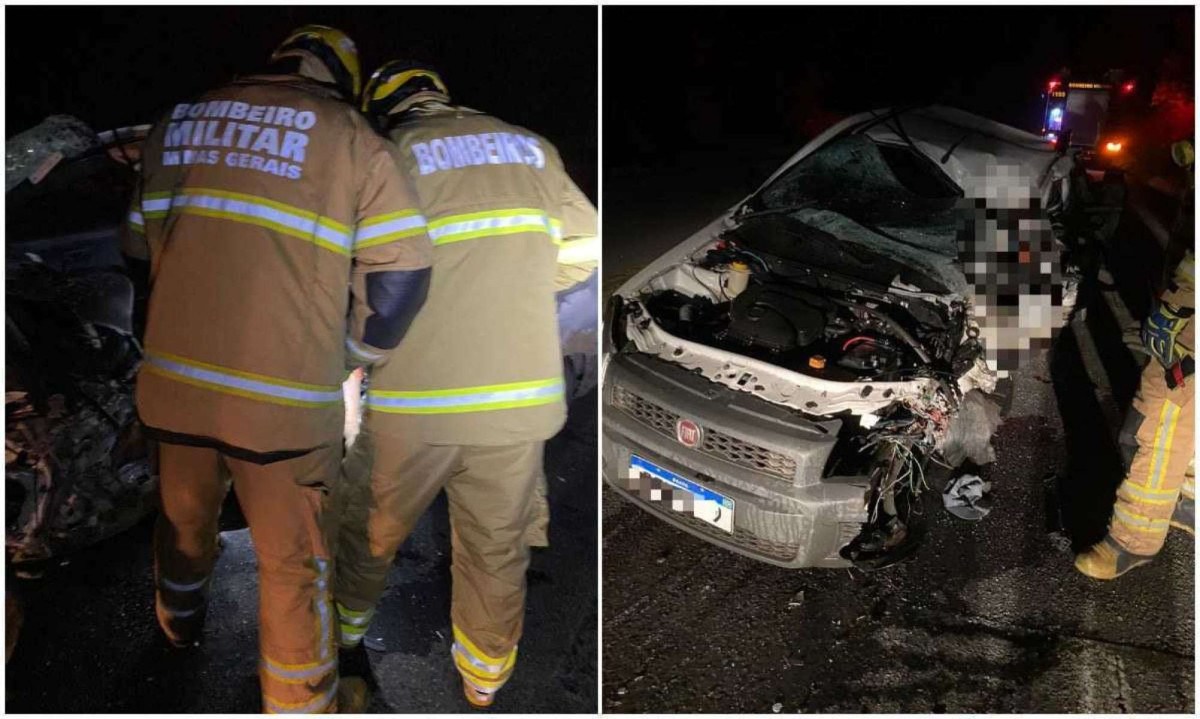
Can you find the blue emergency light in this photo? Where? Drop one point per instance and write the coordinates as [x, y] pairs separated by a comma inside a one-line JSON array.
[[1056, 119]]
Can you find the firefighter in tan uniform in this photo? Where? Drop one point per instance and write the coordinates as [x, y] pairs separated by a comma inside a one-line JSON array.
[[467, 401], [1159, 490], [285, 247]]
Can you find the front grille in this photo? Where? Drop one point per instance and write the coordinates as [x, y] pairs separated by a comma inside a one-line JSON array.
[[716, 443], [740, 538], [646, 411]]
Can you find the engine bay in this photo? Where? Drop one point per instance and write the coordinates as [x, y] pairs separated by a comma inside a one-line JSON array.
[[774, 310]]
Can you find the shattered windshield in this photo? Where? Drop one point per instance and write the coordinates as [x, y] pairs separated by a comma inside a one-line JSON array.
[[888, 190]]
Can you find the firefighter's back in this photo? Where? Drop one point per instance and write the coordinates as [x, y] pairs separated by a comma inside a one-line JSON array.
[[248, 201], [481, 363]]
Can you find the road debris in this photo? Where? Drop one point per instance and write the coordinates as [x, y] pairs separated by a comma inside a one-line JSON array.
[[964, 497]]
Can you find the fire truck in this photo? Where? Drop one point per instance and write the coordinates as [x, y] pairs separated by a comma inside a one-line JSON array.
[[1091, 116]]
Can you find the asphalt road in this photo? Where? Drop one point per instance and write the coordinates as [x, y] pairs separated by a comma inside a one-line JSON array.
[[90, 642], [988, 617]]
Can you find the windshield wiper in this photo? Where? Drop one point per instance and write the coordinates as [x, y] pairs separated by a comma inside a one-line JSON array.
[[950, 151]]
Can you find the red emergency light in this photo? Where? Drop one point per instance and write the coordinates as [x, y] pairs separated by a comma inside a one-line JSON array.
[[1128, 87], [1053, 85]]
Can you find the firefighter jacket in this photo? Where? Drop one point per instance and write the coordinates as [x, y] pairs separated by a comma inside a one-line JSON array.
[[267, 210], [481, 364]]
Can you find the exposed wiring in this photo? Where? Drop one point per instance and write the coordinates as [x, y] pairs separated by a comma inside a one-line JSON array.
[[856, 338], [721, 289], [761, 261]]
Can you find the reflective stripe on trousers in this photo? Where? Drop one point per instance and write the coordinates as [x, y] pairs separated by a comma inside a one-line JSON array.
[[468, 399], [492, 223], [307, 673], [243, 384], [485, 673], [318, 704], [353, 625], [1160, 424], [196, 589], [298, 662]]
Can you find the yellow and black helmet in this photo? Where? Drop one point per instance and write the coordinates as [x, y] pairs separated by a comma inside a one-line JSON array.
[[398, 84], [1183, 153], [332, 48]]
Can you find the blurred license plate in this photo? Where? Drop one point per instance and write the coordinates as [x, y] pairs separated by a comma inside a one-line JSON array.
[[662, 486]]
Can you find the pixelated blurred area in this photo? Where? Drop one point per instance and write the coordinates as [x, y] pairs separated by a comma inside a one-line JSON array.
[[1013, 264]]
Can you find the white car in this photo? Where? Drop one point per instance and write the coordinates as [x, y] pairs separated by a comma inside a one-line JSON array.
[[777, 383]]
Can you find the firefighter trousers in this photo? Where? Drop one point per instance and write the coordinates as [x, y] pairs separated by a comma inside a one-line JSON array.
[[283, 502], [389, 482], [1158, 441]]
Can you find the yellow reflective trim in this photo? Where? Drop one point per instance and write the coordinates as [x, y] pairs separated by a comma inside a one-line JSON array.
[[485, 215], [280, 679], [472, 673], [489, 232], [321, 701], [288, 680], [156, 195], [378, 219], [264, 223], [1135, 495], [281, 206], [1162, 416], [532, 384], [237, 392], [462, 639], [239, 373], [1162, 455], [392, 237], [443, 230], [459, 409], [343, 609], [1166, 458], [1140, 522], [293, 667], [576, 251]]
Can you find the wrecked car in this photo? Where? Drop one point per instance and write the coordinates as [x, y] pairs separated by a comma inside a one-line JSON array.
[[781, 383], [78, 468]]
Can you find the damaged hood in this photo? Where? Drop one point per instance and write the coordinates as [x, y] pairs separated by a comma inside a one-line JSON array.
[[918, 233], [969, 144]]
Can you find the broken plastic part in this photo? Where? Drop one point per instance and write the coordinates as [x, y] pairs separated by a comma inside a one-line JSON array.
[[773, 383]]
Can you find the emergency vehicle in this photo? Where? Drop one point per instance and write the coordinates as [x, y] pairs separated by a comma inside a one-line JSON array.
[[1090, 116]]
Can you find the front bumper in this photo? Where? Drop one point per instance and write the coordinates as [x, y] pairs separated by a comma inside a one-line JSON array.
[[768, 459]]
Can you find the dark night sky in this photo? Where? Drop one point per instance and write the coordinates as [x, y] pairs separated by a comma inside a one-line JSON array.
[[676, 78], [111, 66]]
